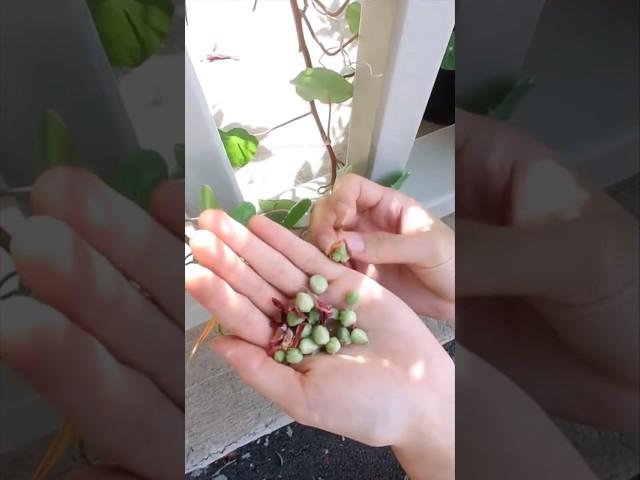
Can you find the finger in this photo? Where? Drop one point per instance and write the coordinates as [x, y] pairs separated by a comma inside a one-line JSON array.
[[268, 263], [100, 473], [279, 383], [300, 253], [221, 260], [167, 206], [115, 408], [235, 312], [119, 229], [68, 274], [322, 230]]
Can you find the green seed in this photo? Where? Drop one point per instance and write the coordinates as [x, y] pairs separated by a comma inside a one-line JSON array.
[[333, 346], [305, 302], [320, 335], [347, 318], [352, 297], [314, 317], [343, 335], [359, 336], [308, 346], [294, 320], [318, 284], [334, 313], [294, 356], [279, 356], [306, 331]]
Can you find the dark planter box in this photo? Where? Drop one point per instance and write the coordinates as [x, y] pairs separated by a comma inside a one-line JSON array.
[[441, 105]]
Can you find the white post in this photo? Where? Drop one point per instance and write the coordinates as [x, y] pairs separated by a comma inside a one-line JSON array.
[[206, 160], [421, 33]]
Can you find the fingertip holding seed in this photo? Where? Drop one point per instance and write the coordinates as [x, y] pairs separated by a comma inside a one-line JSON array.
[[305, 302], [318, 284]]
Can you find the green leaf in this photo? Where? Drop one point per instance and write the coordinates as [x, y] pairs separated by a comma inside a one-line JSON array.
[[178, 151], [505, 108], [240, 146], [138, 175], [296, 213], [353, 17], [243, 212], [56, 146], [396, 180], [449, 60], [277, 216], [268, 205], [208, 198], [131, 30], [322, 84]]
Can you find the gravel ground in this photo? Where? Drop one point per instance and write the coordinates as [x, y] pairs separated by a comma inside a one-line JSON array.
[[296, 452]]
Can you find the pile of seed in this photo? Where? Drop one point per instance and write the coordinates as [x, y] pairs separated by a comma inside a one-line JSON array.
[[308, 325]]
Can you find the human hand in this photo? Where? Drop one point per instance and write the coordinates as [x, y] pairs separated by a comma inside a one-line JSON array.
[[393, 239], [398, 390], [548, 270], [107, 355]]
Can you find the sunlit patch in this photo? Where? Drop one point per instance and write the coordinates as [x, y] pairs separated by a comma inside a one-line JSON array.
[[417, 370], [564, 199], [372, 271], [356, 359], [416, 219], [385, 362]]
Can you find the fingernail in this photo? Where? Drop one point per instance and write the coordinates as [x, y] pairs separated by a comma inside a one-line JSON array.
[[355, 241]]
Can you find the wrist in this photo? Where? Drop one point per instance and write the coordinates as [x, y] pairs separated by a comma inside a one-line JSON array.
[[427, 451]]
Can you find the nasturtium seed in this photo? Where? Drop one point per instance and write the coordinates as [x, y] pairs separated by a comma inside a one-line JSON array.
[[352, 297], [308, 346], [294, 320], [333, 346], [347, 318], [320, 335], [279, 356], [318, 284], [335, 313], [305, 302], [343, 335], [294, 356], [314, 316], [359, 336], [306, 331]]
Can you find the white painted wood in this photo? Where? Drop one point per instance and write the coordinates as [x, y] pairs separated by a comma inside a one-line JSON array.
[[206, 159], [420, 35], [432, 166]]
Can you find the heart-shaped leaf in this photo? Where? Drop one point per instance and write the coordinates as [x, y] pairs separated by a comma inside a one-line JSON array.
[[131, 30], [208, 198], [296, 213], [353, 17], [449, 60], [243, 212], [323, 85], [56, 146], [240, 146], [138, 176]]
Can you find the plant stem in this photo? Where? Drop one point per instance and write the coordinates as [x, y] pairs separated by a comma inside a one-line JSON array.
[[325, 50], [302, 47], [299, 117]]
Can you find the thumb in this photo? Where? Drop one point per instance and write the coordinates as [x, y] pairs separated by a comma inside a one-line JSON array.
[[423, 249]]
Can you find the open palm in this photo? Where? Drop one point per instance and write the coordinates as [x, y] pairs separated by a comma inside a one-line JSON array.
[[375, 393]]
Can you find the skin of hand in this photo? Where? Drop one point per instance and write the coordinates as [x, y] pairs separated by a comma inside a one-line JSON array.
[[398, 390], [548, 277], [393, 239], [97, 348]]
